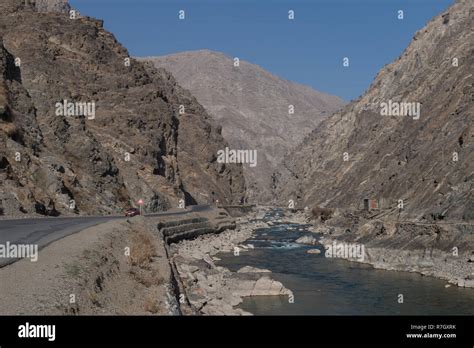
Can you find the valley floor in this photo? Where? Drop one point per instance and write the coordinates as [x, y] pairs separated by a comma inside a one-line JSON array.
[[126, 267]]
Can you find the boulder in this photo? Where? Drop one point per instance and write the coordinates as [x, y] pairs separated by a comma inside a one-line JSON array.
[[309, 240], [469, 283], [266, 286]]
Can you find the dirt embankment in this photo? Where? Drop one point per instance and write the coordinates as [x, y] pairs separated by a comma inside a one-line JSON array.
[[113, 268]]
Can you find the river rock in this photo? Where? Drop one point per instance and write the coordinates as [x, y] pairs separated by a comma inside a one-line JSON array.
[[188, 268], [209, 261], [249, 269], [243, 287], [310, 240], [266, 286], [201, 278], [469, 283], [313, 251], [215, 290]]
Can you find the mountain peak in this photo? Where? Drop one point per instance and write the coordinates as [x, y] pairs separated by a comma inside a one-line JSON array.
[[257, 109]]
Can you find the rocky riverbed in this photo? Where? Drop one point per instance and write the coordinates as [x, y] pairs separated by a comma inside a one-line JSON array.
[[455, 269], [324, 284], [215, 290], [443, 250], [438, 250]]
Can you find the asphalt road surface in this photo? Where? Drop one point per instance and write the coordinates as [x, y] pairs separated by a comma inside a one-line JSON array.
[[43, 231]]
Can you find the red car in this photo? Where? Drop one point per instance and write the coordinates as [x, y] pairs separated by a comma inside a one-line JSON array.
[[131, 212]]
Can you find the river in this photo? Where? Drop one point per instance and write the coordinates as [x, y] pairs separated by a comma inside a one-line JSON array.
[[328, 286]]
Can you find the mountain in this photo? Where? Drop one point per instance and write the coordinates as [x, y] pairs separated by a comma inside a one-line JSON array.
[[84, 132], [59, 6], [252, 105], [427, 161]]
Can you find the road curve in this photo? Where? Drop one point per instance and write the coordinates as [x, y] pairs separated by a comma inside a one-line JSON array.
[[43, 231]]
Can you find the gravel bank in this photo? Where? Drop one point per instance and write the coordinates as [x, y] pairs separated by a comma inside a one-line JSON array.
[[215, 290]]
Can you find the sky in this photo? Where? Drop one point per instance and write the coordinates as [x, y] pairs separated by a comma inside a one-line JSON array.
[[309, 49]]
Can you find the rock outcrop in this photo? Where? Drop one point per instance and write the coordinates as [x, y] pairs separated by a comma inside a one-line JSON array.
[[59, 6], [410, 167], [215, 290], [308, 240], [84, 130], [253, 107]]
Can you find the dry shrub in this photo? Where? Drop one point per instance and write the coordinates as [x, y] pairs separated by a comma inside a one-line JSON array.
[[322, 213], [148, 277], [142, 249], [151, 304], [93, 298]]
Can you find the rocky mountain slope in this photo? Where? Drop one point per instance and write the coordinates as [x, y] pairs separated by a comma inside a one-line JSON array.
[[58, 6], [252, 105], [427, 162], [120, 136]]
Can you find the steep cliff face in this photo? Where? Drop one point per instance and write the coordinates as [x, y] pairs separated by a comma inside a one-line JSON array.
[[253, 107], [124, 131], [426, 161]]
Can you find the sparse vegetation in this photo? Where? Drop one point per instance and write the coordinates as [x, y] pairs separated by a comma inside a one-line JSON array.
[[151, 304], [93, 297], [147, 277], [87, 254], [142, 249], [72, 269], [322, 213]]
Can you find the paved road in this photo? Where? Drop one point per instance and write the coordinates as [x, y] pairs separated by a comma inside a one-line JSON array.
[[43, 231]]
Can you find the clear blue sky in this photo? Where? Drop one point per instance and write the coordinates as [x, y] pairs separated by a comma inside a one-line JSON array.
[[307, 50]]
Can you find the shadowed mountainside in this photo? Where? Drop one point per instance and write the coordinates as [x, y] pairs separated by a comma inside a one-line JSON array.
[[138, 145]]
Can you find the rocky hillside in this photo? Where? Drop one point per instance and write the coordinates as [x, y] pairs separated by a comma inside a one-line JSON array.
[[82, 131], [252, 106], [59, 6], [426, 161]]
